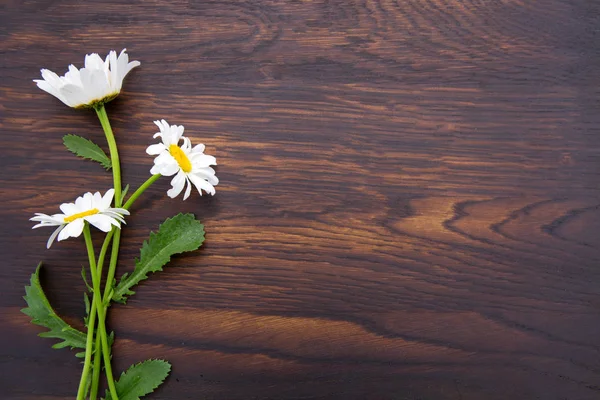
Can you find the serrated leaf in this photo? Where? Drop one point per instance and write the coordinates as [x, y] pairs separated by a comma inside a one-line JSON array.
[[141, 379], [176, 235], [87, 149], [42, 313]]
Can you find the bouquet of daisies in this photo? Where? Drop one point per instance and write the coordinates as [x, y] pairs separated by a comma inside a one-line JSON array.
[[91, 87]]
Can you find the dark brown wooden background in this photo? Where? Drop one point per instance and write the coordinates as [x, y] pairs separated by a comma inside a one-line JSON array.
[[408, 206]]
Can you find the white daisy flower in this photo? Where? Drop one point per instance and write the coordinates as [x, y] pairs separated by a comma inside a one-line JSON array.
[[93, 208], [98, 82], [188, 164]]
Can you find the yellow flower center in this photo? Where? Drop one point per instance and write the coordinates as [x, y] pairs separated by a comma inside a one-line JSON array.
[[179, 156], [87, 213]]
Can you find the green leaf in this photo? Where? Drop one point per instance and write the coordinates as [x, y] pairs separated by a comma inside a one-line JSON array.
[[86, 301], [141, 379], [124, 191], [176, 235], [84, 276], [41, 313], [85, 148]]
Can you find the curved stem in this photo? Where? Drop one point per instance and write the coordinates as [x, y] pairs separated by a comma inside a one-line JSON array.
[[98, 355], [116, 168], [112, 266], [114, 234], [81, 391], [141, 190], [101, 311], [114, 153]]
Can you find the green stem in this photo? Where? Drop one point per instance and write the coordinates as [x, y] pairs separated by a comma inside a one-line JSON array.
[[98, 355], [116, 168], [101, 311], [141, 190], [112, 267], [102, 304], [116, 235], [114, 153], [81, 391]]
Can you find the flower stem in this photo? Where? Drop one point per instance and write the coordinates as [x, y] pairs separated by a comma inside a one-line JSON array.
[[114, 234], [114, 153], [112, 266], [105, 300], [100, 310], [82, 390], [98, 355], [141, 190]]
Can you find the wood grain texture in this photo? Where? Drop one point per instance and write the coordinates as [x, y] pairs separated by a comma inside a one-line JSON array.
[[408, 207]]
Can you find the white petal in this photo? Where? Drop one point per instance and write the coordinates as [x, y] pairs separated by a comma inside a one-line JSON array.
[[50, 77], [97, 80], [165, 158], [188, 189], [157, 123], [107, 199], [199, 148], [102, 222], [68, 208], [203, 160], [177, 182], [74, 95], [156, 149], [93, 61], [88, 201], [169, 169], [124, 65], [155, 170], [73, 75], [99, 86], [201, 184], [72, 229], [113, 75], [178, 130], [46, 220], [53, 236], [119, 211], [187, 145], [97, 201], [206, 173]]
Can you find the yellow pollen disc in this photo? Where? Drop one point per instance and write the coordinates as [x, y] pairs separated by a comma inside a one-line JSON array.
[[87, 213], [181, 158]]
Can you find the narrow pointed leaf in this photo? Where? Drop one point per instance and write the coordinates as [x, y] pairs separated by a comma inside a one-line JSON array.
[[141, 379], [124, 191], [176, 235], [86, 301], [41, 313], [85, 148]]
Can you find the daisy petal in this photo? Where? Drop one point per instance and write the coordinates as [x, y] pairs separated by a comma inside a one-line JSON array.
[[107, 198], [53, 236], [98, 82], [156, 149], [188, 190], [177, 182], [201, 184], [72, 229], [102, 222]]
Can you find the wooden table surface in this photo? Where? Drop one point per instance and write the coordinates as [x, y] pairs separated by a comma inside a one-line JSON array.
[[408, 205]]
